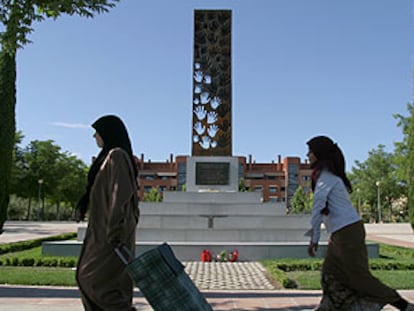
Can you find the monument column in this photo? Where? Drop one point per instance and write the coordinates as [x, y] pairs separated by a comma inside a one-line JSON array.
[[211, 166], [212, 89]]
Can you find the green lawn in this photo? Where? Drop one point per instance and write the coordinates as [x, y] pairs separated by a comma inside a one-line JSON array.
[[309, 277], [46, 272], [395, 279], [37, 276]]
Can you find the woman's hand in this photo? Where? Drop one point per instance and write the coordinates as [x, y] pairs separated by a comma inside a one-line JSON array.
[[312, 249]]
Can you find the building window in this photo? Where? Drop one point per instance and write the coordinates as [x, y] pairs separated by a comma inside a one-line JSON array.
[[258, 189], [182, 169], [241, 171], [283, 188], [162, 188], [273, 189], [149, 177], [147, 188]]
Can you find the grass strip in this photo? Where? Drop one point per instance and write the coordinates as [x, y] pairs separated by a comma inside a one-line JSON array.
[[37, 276], [395, 279], [395, 267]]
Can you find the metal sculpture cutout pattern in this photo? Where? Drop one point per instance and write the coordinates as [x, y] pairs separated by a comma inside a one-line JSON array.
[[212, 89]]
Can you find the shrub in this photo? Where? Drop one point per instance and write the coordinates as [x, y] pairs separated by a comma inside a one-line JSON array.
[[24, 245]]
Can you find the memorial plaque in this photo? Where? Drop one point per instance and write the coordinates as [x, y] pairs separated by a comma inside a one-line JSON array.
[[212, 173]]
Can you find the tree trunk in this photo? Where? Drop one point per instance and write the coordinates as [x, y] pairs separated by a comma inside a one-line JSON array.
[[7, 127], [42, 215], [28, 209], [58, 210]]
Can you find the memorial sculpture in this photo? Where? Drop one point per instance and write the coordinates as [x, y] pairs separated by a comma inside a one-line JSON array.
[[212, 89]]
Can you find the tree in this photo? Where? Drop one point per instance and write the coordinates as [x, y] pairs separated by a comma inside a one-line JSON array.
[[63, 176], [18, 163], [7, 127], [301, 202], [410, 170], [17, 17], [379, 170], [405, 151], [402, 148], [21, 184], [72, 182], [41, 166], [242, 185], [152, 196]]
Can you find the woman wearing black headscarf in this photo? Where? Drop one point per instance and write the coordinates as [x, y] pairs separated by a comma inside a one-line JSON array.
[[111, 202], [346, 280]]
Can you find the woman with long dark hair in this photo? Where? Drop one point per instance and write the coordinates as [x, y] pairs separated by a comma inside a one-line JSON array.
[[111, 203], [347, 283]]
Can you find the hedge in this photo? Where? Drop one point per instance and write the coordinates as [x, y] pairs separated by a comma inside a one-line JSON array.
[[24, 245], [316, 265], [39, 262]]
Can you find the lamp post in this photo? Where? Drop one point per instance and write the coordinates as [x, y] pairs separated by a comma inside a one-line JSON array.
[[379, 201], [359, 201], [40, 182]]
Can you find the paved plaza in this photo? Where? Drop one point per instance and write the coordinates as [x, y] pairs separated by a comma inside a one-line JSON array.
[[227, 286], [228, 275]]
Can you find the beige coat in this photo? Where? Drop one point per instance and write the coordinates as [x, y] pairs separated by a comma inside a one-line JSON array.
[[113, 216]]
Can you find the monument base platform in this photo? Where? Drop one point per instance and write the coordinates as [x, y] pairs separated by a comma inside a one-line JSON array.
[[187, 251], [195, 221]]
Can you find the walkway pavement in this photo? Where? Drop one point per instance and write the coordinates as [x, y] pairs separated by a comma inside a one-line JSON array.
[[227, 286]]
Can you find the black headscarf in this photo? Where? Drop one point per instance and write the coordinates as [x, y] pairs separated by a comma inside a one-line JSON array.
[[330, 157], [114, 135]]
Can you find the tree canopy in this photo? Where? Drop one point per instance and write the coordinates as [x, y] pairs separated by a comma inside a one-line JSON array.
[[17, 18], [61, 175], [377, 176], [405, 156], [301, 202]]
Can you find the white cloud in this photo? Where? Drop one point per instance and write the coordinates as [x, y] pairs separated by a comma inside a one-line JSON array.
[[71, 125]]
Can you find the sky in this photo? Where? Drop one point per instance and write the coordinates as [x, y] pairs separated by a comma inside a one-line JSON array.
[[300, 68]]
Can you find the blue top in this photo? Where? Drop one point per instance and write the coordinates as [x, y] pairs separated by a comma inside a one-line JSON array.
[[331, 189]]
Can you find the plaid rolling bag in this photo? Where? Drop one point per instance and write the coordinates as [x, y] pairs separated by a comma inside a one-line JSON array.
[[161, 278]]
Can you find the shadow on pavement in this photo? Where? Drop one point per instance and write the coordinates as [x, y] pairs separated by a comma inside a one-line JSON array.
[[16, 291], [258, 294], [38, 292]]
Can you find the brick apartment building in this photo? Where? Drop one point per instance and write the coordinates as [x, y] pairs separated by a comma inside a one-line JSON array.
[[277, 181]]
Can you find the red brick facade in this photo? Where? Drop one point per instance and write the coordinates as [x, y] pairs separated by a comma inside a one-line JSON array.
[[276, 180]]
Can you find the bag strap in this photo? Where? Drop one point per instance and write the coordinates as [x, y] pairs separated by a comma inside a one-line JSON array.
[[125, 259]]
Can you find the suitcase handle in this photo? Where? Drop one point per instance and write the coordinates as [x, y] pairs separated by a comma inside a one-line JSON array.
[[125, 259]]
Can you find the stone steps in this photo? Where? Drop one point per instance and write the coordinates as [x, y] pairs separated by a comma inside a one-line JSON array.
[[223, 222], [191, 222], [218, 235], [232, 209], [220, 222], [213, 197]]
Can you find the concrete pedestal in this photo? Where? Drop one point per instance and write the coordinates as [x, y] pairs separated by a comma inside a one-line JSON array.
[[191, 222]]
